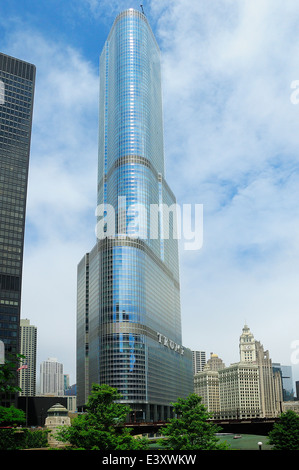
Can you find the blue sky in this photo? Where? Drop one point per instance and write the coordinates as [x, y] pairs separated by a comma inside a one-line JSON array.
[[231, 144]]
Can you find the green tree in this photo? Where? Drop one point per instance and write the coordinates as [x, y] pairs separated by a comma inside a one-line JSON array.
[[102, 426], [285, 432], [191, 429], [11, 416], [8, 374]]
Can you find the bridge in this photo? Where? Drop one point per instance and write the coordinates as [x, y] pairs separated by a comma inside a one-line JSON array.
[[260, 426]]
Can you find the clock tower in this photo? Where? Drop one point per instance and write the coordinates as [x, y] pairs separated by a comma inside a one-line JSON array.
[[247, 346]]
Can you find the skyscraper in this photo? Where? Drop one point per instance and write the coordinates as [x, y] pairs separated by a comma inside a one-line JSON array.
[[28, 345], [240, 394], [286, 379], [252, 351], [51, 378], [128, 309], [199, 361], [17, 80]]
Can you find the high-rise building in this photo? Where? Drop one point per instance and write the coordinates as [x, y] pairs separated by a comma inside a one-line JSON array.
[[27, 370], [252, 351], [66, 381], [239, 388], [287, 381], [278, 387], [51, 378], [206, 385], [214, 363], [251, 388], [17, 81], [198, 361], [128, 315]]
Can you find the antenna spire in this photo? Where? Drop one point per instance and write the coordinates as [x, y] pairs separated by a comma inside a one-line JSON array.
[[141, 6]]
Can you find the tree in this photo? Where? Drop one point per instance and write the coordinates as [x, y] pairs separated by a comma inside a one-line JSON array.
[[102, 426], [11, 416], [191, 430], [285, 432], [8, 375]]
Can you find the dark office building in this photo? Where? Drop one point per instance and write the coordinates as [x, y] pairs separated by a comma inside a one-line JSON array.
[[17, 79], [36, 408]]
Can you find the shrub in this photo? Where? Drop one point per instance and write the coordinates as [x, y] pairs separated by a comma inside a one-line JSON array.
[[23, 438]]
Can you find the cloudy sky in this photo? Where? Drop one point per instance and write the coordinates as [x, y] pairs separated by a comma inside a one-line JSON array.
[[231, 122]]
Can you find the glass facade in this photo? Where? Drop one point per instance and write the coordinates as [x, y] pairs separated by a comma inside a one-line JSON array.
[[129, 319], [17, 79]]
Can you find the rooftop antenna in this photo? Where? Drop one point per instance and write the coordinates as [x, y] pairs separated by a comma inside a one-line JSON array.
[[141, 6]]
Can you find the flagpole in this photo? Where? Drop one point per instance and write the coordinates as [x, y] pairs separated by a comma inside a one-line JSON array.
[[25, 368]]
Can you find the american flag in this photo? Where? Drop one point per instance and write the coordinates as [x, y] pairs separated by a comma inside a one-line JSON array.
[[24, 366]]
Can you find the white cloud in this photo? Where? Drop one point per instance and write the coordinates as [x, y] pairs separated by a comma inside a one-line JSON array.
[[107, 8], [232, 144]]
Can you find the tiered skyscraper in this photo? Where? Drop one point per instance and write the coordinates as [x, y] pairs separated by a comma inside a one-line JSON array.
[[17, 80], [247, 389], [128, 312]]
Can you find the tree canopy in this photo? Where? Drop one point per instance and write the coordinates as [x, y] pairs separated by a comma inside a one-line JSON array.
[[285, 433], [11, 416], [191, 429], [102, 426], [8, 372]]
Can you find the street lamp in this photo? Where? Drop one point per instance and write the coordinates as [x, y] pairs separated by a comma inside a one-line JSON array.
[[260, 445]]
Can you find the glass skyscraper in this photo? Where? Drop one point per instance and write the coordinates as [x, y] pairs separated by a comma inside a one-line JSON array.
[[17, 80], [128, 306]]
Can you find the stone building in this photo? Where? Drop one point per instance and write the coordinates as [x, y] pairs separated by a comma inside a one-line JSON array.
[[57, 416]]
